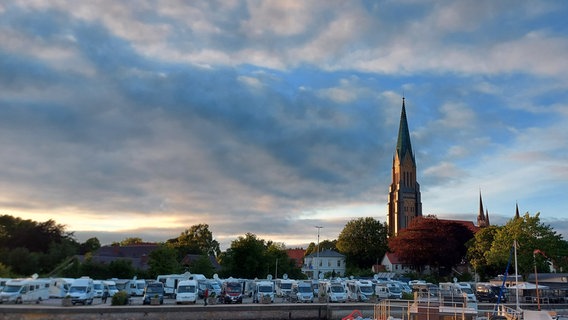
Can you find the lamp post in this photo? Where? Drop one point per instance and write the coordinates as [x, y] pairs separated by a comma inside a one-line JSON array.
[[318, 253]]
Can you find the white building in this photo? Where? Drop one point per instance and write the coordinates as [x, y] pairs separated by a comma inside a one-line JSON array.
[[325, 262]]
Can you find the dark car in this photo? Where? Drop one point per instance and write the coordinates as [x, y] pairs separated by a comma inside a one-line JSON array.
[[153, 290], [489, 293]]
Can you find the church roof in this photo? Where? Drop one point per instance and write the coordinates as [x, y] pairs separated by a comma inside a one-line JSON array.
[[403, 145]]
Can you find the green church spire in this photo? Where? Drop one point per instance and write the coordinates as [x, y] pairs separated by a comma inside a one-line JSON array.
[[403, 145]]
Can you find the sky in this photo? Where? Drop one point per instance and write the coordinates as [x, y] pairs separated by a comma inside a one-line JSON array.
[[143, 118]]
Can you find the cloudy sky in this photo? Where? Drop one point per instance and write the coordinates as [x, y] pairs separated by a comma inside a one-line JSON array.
[[142, 118]]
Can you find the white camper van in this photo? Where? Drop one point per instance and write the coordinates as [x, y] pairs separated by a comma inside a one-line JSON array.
[[171, 281], [264, 289], [284, 287], [334, 290], [25, 290], [186, 291], [110, 286], [360, 290], [60, 287], [303, 291], [82, 291]]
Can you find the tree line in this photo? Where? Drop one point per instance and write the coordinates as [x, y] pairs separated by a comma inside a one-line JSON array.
[[46, 248]]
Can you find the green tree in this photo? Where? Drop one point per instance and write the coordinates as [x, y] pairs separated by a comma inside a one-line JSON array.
[[163, 260], [91, 245], [324, 245], [202, 266], [245, 258], [129, 241], [530, 235], [198, 239], [478, 248], [363, 241], [121, 268]]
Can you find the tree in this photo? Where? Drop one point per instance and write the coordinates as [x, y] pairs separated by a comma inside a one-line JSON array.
[[202, 266], [163, 260], [324, 245], [198, 239], [246, 258], [478, 248], [530, 235], [129, 241], [429, 241], [363, 241], [91, 245]]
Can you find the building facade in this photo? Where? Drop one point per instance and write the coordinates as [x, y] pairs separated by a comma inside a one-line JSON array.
[[404, 197], [327, 262]]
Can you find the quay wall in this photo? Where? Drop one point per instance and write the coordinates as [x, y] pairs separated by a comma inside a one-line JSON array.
[[314, 311]]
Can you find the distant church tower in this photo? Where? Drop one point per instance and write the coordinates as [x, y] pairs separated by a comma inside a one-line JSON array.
[[482, 218], [404, 192]]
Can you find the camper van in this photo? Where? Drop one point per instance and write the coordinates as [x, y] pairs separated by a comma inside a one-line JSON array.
[[233, 291], [136, 287], [25, 290], [186, 292], [360, 290], [334, 290], [264, 289], [388, 290], [302, 291], [110, 286], [171, 281], [60, 287], [284, 287], [82, 291]]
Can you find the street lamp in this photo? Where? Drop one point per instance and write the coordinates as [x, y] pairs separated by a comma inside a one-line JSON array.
[[318, 253]]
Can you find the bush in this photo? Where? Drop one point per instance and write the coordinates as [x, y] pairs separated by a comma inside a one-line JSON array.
[[407, 296], [120, 299]]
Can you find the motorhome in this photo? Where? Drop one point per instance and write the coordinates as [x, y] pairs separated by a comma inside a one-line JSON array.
[[136, 287], [171, 281], [60, 287], [283, 287], [25, 290], [82, 291], [110, 286], [99, 288], [186, 292], [264, 289], [360, 290], [388, 290], [334, 290], [233, 291], [303, 291], [152, 290]]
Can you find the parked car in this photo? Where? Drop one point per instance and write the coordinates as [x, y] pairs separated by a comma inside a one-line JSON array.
[[153, 290]]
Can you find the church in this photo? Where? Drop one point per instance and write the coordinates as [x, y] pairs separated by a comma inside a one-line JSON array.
[[404, 199]]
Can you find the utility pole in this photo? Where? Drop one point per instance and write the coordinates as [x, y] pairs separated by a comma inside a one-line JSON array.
[[318, 254]]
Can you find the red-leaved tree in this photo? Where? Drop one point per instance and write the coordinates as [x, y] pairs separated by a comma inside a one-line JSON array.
[[429, 241]]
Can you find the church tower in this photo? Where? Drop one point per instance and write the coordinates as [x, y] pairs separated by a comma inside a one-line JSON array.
[[482, 218], [404, 192]]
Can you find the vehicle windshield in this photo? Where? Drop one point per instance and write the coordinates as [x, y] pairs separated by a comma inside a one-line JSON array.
[[265, 289], [467, 290], [395, 289], [337, 289], [233, 288], [154, 289], [140, 285], [215, 286], [112, 287], [188, 288], [77, 289], [305, 289], [366, 289], [11, 289], [286, 286], [98, 286]]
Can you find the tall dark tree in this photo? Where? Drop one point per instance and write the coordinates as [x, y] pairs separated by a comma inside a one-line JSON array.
[[363, 241], [246, 258], [163, 260], [324, 245]]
